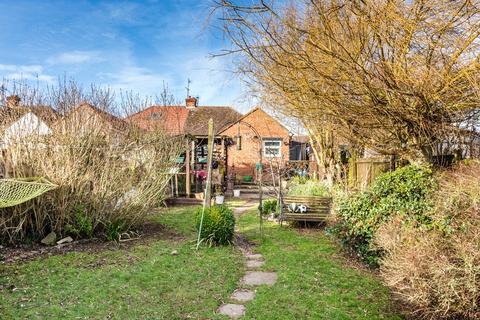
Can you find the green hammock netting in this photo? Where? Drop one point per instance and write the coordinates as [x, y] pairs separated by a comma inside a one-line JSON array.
[[16, 191]]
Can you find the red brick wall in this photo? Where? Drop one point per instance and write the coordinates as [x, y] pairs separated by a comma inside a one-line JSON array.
[[242, 162]]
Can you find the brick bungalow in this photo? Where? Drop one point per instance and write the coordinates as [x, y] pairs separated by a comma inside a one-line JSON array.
[[273, 137], [191, 120]]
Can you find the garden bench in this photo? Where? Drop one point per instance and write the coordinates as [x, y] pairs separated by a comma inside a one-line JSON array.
[[306, 208]]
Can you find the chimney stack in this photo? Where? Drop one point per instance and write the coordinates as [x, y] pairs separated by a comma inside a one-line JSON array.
[[191, 102], [13, 101]]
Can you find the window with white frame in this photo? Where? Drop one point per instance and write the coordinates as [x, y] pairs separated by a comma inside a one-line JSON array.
[[272, 147]]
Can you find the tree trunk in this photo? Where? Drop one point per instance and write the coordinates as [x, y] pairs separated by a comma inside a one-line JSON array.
[[323, 145]]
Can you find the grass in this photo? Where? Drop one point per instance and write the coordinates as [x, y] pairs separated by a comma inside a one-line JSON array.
[[143, 282], [147, 282], [314, 280]]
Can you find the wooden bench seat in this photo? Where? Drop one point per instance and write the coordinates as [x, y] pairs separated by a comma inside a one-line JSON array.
[[318, 208]]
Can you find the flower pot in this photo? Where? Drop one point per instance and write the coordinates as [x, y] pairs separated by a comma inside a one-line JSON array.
[[236, 193], [219, 199]]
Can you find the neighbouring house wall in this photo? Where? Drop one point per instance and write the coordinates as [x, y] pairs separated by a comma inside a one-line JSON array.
[[27, 125], [242, 162]]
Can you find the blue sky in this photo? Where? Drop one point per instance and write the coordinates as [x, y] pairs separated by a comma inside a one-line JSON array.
[[132, 45]]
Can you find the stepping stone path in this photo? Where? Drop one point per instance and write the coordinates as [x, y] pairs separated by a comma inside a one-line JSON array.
[[251, 278], [234, 311], [252, 264], [257, 278], [243, 295]]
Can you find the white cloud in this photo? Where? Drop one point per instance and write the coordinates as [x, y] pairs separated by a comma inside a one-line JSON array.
[[123, 12], [211, 80], [75, 57], [136, 79], [34, 68], [25, 72]]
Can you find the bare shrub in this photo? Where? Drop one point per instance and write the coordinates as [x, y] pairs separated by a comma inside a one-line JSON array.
[[108, 171], [437, 270]]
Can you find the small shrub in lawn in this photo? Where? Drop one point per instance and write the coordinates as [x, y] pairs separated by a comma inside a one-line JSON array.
[[270, 206], [404, 192], [218, 225], [436, 270], [82, 225], [307, 187], [114, 229]]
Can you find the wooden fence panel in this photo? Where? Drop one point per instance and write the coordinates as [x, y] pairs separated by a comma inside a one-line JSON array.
[[368, 169]]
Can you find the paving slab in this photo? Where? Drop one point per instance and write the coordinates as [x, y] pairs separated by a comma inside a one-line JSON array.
[[234, 311], [253, 256], [252, 264], [257, 278], [242, 295]]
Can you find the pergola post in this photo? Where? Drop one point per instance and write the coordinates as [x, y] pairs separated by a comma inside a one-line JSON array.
[[187, 170], [208, 184]]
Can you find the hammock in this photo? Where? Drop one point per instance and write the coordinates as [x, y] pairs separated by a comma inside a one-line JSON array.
[[16, 191]]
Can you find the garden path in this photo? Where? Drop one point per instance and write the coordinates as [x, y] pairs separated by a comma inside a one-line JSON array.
[[245, 292]]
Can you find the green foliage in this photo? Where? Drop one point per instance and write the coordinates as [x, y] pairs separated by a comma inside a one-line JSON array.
[[114, 229], [404, 192], [299, 180], [300, 186], [247, 178], [82, 225], [270, 206], [218, 225]]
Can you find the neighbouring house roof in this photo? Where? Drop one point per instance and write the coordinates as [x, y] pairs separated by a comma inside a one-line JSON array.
[[9, 115], [85, 111], [301, 139], [181, 120], [170, 119]]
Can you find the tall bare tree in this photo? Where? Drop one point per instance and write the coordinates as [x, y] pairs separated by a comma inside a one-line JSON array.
[[398, 77]]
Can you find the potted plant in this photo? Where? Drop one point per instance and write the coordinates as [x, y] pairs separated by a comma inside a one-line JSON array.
[[247, 179], [219, 196]]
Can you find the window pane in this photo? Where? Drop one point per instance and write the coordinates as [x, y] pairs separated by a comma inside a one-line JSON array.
[[272, 151], [271, 147], [272, 144]]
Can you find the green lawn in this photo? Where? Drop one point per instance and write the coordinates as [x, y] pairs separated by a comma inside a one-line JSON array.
[[147, 282], [314, 280], [143, 282]]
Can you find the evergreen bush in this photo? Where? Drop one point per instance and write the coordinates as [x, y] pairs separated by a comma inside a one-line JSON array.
[[270, 206], [218, 225], [404, 192]]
